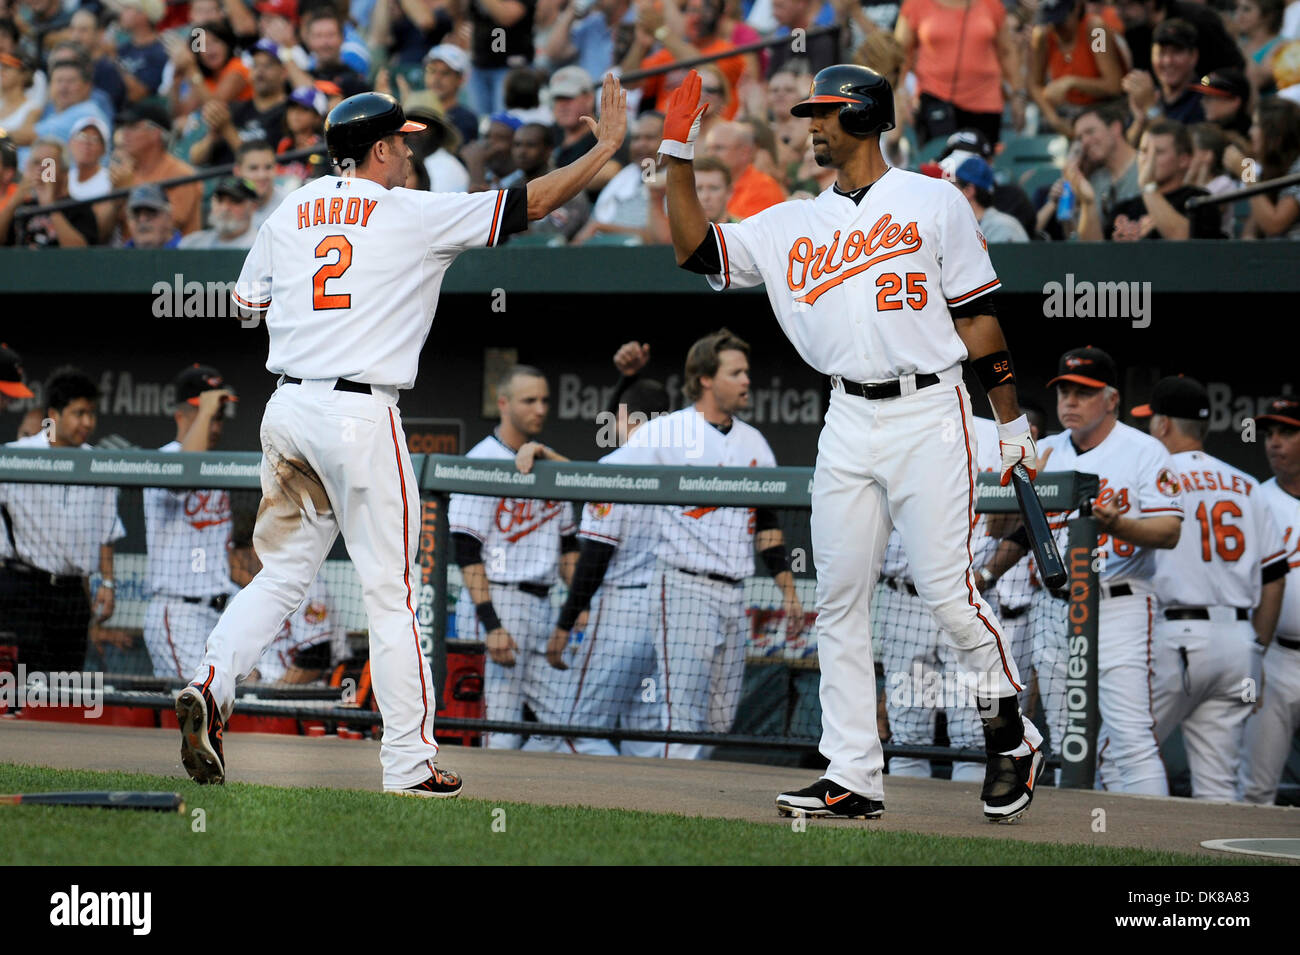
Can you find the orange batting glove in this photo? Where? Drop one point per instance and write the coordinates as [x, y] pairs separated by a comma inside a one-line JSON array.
[[682, 121]]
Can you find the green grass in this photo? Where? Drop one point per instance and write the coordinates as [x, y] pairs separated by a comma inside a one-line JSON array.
[[253, 825]]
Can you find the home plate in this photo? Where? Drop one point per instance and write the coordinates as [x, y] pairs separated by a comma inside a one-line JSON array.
[[1277, 848]]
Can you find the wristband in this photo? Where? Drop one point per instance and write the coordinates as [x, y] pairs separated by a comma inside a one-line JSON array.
[[107, 583], [986, 577], [994, 370], [775, 559], [672, 147], [1014, 428], [487, 616]]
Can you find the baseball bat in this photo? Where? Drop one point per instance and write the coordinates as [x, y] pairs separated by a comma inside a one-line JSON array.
[[1050, 566], [155, 801]]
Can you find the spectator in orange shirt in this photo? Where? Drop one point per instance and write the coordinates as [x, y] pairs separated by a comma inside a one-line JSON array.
[[665, 23], [1075, 61], [143, 158], [961, 52], [751, 191], [215, 72]]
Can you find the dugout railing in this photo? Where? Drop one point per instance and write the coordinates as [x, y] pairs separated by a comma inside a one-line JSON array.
[[778, 709]]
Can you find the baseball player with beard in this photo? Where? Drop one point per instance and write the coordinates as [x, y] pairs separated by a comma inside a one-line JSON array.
[[913, 653], [348, 270], [697, 594], [883, 283], [1270, 729], [614, 682], [187, 532], [1139, 510], [509, 550], [1209, 646]]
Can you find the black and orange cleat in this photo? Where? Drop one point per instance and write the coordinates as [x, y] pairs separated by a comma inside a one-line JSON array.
[[1009, 785], [443, 784], [830, 800], [201, 729]]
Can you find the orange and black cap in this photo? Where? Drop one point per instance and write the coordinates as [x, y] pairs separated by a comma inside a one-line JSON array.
[[195, 380], [1284, 410], [1087, 366], [1176, 396], [11, 374]]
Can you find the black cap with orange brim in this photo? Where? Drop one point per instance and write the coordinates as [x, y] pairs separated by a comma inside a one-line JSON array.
[[11, 374], [1087, 366], [1176, 396], [1283, 410], [195, 380]]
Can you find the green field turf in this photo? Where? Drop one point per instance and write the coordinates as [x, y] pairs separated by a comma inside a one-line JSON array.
[[253, 825]]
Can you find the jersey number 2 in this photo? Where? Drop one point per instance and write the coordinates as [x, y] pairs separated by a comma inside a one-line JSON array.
[[891, 283], [1229, 541], [320, 300]]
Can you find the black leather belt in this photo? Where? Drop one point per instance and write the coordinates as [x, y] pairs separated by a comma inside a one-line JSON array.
[[902, 586], [630, 586], [1200, 613], [343, 384], [1119, 590], [720, 578], [27, 570], [533, 590], [1011, 613], [217, 603], [1289, 644], [885, 389]]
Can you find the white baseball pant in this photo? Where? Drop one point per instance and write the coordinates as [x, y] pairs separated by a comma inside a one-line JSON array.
[[614, 673], [175, 633], [1201, 668], [337, 461], [905, 462], [921, 678], [1269, 730], [532, 681], [699, 631], [1015, 627]]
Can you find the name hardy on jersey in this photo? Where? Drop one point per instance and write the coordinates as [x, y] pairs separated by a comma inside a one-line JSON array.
[[817, 261], [336, 211]]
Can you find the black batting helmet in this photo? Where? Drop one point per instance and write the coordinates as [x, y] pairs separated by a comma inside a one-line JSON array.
[[867, 98], [360, 121]]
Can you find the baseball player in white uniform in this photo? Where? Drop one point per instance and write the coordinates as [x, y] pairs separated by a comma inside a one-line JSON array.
[[1270, 729], [697, 596], [881, 282], [509, 551], [187, 532], [1230, 561], [615, 679], [1139, 510], [347, 272], [922, 674]]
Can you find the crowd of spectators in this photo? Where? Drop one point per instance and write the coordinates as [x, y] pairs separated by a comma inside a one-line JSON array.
[[1154, 102]]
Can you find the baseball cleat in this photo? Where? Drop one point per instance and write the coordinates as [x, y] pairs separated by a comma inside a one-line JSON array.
[[1009, 785], [825, 798], [201, 730], [443, 784]]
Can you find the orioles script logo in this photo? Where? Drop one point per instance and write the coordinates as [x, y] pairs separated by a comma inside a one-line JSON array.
[[519, 517], [807, 261]]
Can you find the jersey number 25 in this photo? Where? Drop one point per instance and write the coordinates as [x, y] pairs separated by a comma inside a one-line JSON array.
[[891, 283], [320, 299]]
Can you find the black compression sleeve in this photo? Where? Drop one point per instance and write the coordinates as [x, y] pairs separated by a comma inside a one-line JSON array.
[[514, 217], [593, 561], [706, 260], [568, 543], [1274, 571], [984, 305], [469, 549], [624, 383], [1019, 536], [765, 519]]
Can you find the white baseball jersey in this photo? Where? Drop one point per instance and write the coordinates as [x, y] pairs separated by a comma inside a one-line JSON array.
[[633, 530], [706, 540], [520, 535], [1137, 475], [59, 527], [302, 272], [863, 290], [1286, 515], [1228, 536], [988, 458], [186, 532]]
